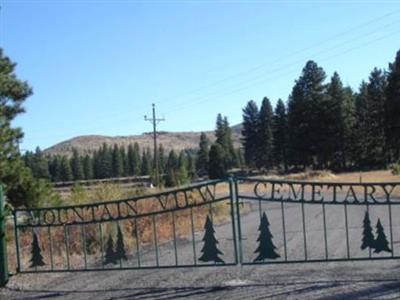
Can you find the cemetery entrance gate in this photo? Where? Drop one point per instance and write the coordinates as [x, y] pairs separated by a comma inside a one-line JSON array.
[[215, 223]]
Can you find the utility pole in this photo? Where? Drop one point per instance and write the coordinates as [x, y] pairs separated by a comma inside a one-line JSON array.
[[155, 121]]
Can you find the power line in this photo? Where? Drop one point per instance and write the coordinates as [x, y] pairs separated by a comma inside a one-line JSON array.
[[316, 45], [258, 81]]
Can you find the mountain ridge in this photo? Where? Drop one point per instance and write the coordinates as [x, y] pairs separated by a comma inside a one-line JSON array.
[[179, 140]]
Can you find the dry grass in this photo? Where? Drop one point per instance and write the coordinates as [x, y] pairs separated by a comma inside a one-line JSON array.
[[312, 175], [371, 176]]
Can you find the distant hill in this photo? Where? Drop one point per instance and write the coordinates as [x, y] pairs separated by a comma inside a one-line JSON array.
[[170, 140]]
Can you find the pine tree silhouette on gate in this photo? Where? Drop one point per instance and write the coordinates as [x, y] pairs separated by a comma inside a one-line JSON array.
[[210, 250], [266, 248], [110, 256], [37, 258], [120, 252], [368, 237], [381, 243]]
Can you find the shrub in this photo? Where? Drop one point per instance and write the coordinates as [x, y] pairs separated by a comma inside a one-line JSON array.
[[396, 169]]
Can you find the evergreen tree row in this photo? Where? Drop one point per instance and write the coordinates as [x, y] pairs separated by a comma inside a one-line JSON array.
[[326, 124], [221, 156], [112, 162]]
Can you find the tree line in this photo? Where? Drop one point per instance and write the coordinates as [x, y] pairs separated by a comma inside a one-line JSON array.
[[111, 162], [115, 161], [326, 124]]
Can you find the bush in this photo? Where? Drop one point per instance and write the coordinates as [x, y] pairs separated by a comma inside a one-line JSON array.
[[396, 169], [22, 189], [78, 195]]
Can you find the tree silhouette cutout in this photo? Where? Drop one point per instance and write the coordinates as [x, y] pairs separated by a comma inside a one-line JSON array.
[[37, 258], [110, 253], [210, 250], [266, 248], [368, 237], [381, 243], [120, 252]]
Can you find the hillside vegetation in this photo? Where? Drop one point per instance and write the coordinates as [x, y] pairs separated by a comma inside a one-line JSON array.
[[170, 140]]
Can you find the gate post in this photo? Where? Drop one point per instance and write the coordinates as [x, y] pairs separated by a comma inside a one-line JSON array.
[[232, 203], [3, 245]]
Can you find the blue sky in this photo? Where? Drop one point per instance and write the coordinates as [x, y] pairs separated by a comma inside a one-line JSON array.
[[96, 66]]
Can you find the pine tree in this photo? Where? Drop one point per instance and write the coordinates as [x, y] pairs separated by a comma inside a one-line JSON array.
[[36, 255], [348, 117], [381, 243], [220, 130], [14, 175], [210, 250], [96, 164], [88, 167], [65, 169], [191, 166], [55, 168], [376, 98], [361, 126], [171, 177], [117, 162], [240, 158], [392, 109], [146, 163], [28, 160], [228, 147], [39, 165], [124, 159], [266, 248], [131, 166], [333, 143], [265, 136], [120, 252], [280, 132], [202, 155], [161, 158], [368, 238], [104, 163], [223, 134], [216, 162], [249, 133], [183, 176], [110, 255], [340, 121], [136, 162], [77, 166], [306, 117], [370, 120], [133, 159]]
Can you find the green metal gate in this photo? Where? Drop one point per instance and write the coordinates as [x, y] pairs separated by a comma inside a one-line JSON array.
[[302, 221], [163, 230], [215, 223]]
